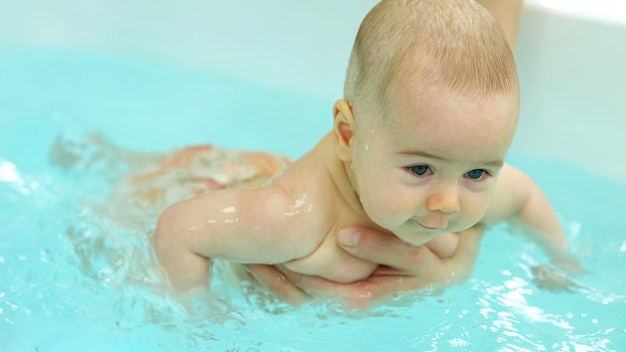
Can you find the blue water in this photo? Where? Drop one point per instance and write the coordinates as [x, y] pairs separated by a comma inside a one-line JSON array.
[[73, 279]]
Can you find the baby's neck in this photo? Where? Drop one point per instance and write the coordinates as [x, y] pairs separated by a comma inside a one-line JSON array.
[[340, 172]]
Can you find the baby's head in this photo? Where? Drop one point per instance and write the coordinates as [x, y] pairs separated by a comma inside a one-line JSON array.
[[431, 96], [455, 44]]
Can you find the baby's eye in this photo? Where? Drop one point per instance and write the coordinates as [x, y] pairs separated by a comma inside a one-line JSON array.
[[418, 170], [477, 174]]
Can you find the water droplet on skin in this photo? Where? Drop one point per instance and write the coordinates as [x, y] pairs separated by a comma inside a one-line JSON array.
[[302, 204], [230, 209]]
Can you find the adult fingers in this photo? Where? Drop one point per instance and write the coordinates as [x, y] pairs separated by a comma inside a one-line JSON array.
[[469, 243], [380, 288], [377, 289], [383, 248], [461, 264], [276, 282]]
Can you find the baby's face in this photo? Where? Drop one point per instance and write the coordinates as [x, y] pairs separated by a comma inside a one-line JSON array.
[[431, 166]]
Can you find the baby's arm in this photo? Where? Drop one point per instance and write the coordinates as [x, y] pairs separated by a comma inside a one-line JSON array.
[[518, 196], [243, 226]]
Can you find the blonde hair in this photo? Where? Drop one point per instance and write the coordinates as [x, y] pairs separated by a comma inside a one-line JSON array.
[[456, 43]]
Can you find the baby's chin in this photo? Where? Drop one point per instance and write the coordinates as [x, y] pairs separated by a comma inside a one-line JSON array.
[[418, 237], [402, 229]]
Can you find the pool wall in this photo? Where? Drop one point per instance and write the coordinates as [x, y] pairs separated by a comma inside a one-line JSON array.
[[571, 56]]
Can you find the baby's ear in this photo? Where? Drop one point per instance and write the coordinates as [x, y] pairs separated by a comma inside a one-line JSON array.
[[343, 128]]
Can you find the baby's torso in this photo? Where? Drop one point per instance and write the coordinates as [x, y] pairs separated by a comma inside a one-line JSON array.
[[199, 170], [322, 176], [320, 173], [329, 261]]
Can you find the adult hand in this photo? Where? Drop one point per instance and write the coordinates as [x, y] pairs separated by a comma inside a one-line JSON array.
[[403, 268]]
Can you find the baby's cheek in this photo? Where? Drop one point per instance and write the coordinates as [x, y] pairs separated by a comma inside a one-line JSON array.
[[475, 210], [387, 209]]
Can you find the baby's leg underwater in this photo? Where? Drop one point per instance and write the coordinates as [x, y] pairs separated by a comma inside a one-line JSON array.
[[91, 152]]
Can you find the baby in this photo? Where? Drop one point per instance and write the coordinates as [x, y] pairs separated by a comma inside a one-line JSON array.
[[417, 150]]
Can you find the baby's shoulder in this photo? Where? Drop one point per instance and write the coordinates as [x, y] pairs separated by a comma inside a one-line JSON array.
[[308, 186], [311, 172]]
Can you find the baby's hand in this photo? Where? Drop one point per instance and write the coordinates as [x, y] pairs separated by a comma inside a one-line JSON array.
[[547, 278], [568, 262]]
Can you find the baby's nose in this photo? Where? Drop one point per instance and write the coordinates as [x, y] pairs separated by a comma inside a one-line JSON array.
[[444, 199]]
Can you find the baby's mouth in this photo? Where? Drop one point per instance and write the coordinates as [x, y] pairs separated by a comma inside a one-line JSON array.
[[426, 227], [420, 234], [431, 229]]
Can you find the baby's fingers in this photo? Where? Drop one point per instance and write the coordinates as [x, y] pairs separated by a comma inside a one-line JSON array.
[[570, 264]]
